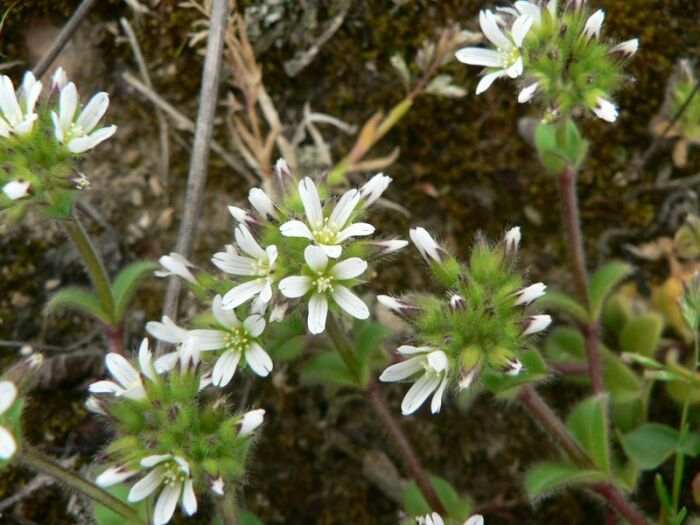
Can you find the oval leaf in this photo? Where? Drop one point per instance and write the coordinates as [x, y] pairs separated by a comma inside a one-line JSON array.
[[649, 445], [588, 422], [603, 282], [641, 334], [547, 478]]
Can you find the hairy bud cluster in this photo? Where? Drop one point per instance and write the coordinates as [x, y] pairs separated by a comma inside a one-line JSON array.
[[481, 322]]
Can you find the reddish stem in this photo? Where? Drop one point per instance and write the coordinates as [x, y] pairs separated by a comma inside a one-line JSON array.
[[115, 338]]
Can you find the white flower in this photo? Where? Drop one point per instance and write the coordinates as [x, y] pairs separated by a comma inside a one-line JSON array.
[[512, 239], [426, 245], [529, 294], [17, 189], [436, 519], [514, 367], [250, 422], [79, 134], [594, 24], [327, 232], [627, 48], [172, 473], [176, 264], [262, 203], [8, 395], [324, 283], [605, 110], [536, 324], [235, 340], [17, 114], [434, 366], [168, 332], [129, 382], [528, 92], [256, 263], [505, 60], [374, 188], [59, 79]]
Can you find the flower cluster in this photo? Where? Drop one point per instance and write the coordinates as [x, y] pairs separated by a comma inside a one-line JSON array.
[[41, 138], [480, 324], [178, 443], [556, 53], [303, 247]]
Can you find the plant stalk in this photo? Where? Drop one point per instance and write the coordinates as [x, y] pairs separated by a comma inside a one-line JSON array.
[[545, 416], [577, 254], [227, 509], [44, 465], [371, 390], [92, 261]]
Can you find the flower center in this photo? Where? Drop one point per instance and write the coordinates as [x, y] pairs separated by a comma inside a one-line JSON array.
[[75, 131], [324, 284], [237, 340], [261, 267], [508, 56], [325, 233], [174, 475]]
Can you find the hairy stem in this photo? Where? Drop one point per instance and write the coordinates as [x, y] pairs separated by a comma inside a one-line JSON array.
[[577, 254], [44, 465], [227, 509], [545, 416], [92, 261], [403, 445]]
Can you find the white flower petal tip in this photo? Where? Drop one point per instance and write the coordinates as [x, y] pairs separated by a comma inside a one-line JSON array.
[[8, 395], [457, 302], [594, 24], [605, 110], [176, 264], [398, 306], [59, 79], [250, 422], [527, 93], [383, 248], [536, 323], [426, 245], [467, 379], [511, 240], [430, 519], [17, 189], [8, 444], [262, 203], [513, 368], [374, 188], [114, 475], [476, 519], [282, 169], [627, 48], [529, 294], [217, 486]]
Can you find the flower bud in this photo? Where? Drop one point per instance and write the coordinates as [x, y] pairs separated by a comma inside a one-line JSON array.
[[374, 188], [428, 248], [262, 203], [529, 294], [511, 240], [176, 264], [17, 189], [593, 25], [513, 368], [398, 306], [535, 324], [250, 422], [386, 247], [457, 302], [626, 49]]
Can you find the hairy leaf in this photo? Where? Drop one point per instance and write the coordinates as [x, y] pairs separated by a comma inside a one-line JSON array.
[[603, 282], [77, 299], [126, 284], [649, 445], [588, 422], [547, 478], [641, 334]]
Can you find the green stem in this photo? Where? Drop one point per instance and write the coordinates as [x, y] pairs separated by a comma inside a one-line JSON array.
[[679, 464], [44, 465], [92, 262], [373, 394], [227, 509]]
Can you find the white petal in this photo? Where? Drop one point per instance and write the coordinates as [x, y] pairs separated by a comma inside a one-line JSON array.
[[113, 475], [16, 189], [121, 369], [8, 445], [225, 318], [106, 387], [318, 311], [82, 144], [349, 302], [166, 331], [489, 26], [145, 486], [521, 27], [258, 360], [93, 112], [418, 393], [476, 519], [189, 500], [316, 258], [239, 214], [238, 295], [295, 286], [342, 211], [629, 47], [254, 325], [348, 269], [527, 8], [67, 104], [311, 201], [426, 245], [606, 110], [527, 92], [403, 370], [594, 24], [331, 251], [478, 56], [225, 368], [436, 402], [146, 360], [8, 100], [536, 324], [155, 459], [409, 350], [261, 202], [248, 244], [251, 421], [166, 362], [516, 69], [205, 340], [359, 229], [296, 229], [438, 361], [8, 394], [167, 501], [374, 188]]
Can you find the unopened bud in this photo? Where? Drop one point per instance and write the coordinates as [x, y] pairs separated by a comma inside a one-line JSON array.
[[426, 245], [511, 240], [457, 302], [535, 324], [398, 306], [250, 422], [529, 294], [513, 368]]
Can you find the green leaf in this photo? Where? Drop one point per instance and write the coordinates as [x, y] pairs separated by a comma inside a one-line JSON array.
[[126, 284], [553, 159], [285, 340], [649, 445], [548, 478], [622, 383], [615, 314], [603, 282], [104, 516], [368, 344], [458, 507], [61, 204], [77, 299], [662, 494], [588, 422], [248, 518], [534, 369], [328, 367], [641, 334], [563, 303]]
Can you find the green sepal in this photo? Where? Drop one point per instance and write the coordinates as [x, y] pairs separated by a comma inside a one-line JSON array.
[[73, 298], [126, 284], [588, 422], [546, 479], [603, 283], [61, 204], [558, 152], [534, 369]]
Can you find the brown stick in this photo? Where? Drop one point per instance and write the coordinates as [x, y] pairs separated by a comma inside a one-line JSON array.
[[197, 177]]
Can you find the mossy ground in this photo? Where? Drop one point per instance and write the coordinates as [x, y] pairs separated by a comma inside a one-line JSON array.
[[484, 175]]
